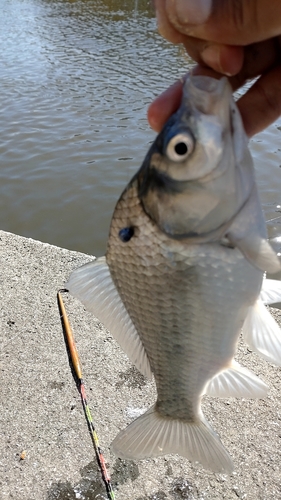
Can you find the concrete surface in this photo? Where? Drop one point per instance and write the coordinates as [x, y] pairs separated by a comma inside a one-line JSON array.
[[41, 412]]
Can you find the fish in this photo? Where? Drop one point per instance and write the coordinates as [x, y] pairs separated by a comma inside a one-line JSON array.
[[183, 274]]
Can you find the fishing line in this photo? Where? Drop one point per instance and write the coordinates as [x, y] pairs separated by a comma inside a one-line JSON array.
[[76, 367]]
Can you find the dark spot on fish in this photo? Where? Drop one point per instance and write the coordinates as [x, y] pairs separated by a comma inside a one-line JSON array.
[[132, 378], [126, 234]]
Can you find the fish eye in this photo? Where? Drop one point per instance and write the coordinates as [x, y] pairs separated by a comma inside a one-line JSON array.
[[180, 147]]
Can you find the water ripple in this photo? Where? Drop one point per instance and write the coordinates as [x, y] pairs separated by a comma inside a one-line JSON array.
[[77, 78]]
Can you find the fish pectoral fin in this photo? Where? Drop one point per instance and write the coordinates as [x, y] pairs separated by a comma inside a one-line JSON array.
[[93, 286], [257, 250], [236, 382], [248, 233], [270, 291], [152, 435], [262, 333]]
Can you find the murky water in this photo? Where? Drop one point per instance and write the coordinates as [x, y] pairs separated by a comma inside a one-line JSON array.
[[76, 79]]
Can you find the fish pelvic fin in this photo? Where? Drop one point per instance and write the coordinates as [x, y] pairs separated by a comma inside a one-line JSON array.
[[236, 382], [92, 284], [153, 435], [262, 333], [271, 291]]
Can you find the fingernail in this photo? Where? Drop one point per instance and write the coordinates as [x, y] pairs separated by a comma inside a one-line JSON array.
[[193, 11], [223, 59], [211, 57]]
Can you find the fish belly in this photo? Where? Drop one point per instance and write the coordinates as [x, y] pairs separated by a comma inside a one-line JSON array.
[[188, 303]]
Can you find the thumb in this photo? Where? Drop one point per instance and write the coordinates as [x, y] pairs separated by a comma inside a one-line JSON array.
[[230, 22]]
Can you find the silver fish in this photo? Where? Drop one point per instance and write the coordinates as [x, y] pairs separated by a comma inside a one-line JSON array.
[[183, 271]]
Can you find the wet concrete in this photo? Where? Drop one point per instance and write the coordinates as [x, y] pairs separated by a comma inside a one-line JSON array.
[[46, 448]]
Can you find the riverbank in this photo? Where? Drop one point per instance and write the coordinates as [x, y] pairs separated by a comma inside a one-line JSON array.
[[46, 450]]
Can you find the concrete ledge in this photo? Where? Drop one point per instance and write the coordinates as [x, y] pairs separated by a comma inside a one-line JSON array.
[[41, 412]]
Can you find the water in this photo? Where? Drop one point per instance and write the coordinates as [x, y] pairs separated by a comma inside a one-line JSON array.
[[76, 79]]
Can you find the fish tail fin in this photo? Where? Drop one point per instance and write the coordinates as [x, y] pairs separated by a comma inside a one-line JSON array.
[[152, 435]]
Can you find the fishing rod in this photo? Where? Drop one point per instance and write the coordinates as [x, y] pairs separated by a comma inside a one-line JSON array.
[[76, 365]]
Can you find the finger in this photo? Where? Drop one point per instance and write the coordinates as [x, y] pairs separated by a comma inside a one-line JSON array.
[[225, 59], [164, 106], [165, 28], [258, 59], [261, 105], [195, 47], [229, 22], [249, 61]]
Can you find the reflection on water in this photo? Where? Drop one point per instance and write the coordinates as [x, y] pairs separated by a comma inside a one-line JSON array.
[[76, 79]]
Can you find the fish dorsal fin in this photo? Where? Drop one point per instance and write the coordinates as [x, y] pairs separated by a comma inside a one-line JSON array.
[[236, 382], [262, 333], [247, 232], [152, 435], [271, 291], [92, 284]]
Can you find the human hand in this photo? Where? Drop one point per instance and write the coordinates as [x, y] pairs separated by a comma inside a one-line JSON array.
[[239, 39]]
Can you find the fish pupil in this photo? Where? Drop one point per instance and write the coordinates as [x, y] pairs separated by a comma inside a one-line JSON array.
[[181, 148], [126, 234]]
